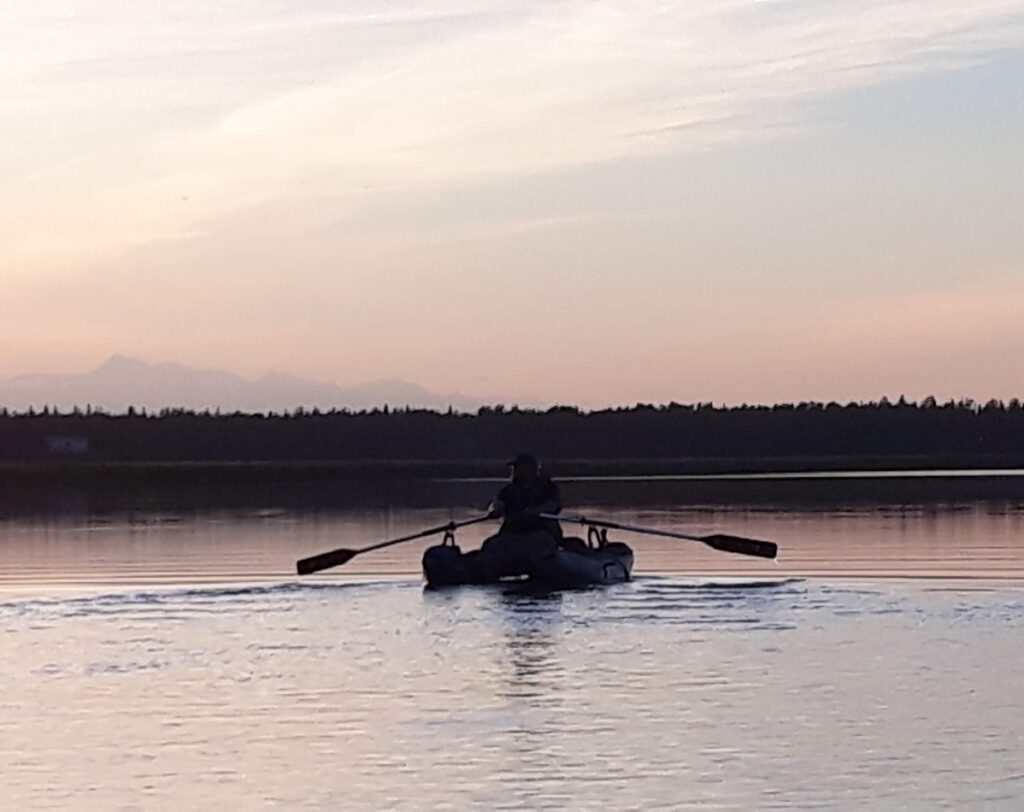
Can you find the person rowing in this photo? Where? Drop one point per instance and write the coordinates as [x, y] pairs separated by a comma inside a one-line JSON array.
[[530, 542], [526, 497], [526, 540]]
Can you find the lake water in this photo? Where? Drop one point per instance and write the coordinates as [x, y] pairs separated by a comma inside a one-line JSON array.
[[166, 657]]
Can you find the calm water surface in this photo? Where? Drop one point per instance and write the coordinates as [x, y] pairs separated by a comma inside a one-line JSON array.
[[170, 660]]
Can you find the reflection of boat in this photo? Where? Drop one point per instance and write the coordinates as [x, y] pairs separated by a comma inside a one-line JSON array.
[[576, 563]]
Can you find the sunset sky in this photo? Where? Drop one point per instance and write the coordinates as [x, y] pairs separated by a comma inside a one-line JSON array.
[[590, 202]]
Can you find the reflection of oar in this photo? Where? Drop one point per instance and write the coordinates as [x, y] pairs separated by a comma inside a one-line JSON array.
[[335, 558], [719, 541]]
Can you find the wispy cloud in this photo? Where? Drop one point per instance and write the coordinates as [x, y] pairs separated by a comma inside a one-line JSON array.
[[124, 124]]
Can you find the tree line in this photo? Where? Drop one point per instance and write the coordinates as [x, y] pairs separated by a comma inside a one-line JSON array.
[[675, 431]]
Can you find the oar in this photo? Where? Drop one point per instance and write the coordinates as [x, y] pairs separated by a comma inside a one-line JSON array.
[[335, 558], [719, 541]]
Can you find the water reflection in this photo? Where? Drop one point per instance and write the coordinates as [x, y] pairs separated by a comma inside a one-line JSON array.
[[184, 493], [958, 539], [531, 628], [533, 688]]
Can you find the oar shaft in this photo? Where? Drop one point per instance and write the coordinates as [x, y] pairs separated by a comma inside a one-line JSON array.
[[725, 543], [433, 531], [650, 531], [335, 558]]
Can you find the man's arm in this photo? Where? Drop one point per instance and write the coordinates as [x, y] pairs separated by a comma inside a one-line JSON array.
[[499, 505], [552, 502]]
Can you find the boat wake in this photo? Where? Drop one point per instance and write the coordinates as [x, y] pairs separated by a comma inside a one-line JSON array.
[[197, 600], [674, 583]]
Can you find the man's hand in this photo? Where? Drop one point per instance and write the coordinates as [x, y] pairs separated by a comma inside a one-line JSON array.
[[552, 507], [497, 509]]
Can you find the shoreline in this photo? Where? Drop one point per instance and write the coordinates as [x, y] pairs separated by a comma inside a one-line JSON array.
[[697, 468], [814, 483]]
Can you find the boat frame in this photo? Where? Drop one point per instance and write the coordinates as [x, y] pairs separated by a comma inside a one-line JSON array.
[[595, 561]]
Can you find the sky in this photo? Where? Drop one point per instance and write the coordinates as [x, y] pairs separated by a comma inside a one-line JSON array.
[[536, 202]]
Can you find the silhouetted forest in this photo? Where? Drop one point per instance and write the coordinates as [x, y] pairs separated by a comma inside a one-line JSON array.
[[953, 432]]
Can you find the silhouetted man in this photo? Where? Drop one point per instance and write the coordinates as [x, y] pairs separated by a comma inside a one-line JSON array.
[[525, 540], [522, 501]]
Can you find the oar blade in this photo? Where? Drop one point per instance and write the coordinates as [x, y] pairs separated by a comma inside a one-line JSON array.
[[324, 561], [742, 546]]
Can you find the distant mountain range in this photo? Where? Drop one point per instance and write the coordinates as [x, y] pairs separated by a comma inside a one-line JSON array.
[[121, 382]]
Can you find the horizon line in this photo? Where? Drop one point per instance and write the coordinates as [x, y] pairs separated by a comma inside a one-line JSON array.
[[927, 403]]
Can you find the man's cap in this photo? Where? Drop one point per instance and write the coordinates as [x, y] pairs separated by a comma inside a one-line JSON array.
[[523, 459]]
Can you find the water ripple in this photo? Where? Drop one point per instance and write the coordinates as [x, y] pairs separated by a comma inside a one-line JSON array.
[[665, 692]]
